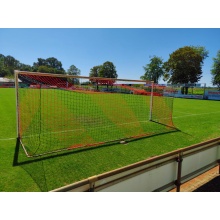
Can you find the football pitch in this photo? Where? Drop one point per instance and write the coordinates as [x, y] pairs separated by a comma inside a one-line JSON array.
[[196, 121]]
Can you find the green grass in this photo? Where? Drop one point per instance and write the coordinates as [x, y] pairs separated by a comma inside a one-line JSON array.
[[64, 119], [197, 121]]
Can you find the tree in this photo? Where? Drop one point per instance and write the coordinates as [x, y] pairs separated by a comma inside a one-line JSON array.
[[153, 70], [201, 51], [54, 65], [11, 62], [50, 65], [73, 70], [166, 77], [24, 67], [94, 71], [106, 70], [185, 65], [215, 71], [3, 70], [1, 65], [7, 65], [41, 62], [45, 69]]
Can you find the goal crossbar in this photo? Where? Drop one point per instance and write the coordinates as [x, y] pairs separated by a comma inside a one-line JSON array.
[[79, 77]]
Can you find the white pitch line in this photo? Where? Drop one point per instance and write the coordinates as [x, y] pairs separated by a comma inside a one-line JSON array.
[[183, 113], [193, 115], [65, 131], [197, 114], [7, 139]]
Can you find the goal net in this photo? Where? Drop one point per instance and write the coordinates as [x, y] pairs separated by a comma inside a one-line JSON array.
[[63, 112]]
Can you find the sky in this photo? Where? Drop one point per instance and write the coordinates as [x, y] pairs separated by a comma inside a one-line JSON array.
[[128, 48]]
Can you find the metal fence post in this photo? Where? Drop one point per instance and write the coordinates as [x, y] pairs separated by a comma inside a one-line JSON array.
[[178, 181], [92, 181]]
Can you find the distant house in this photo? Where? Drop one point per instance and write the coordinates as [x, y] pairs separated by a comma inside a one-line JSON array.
[[6, 83], [2, 79]]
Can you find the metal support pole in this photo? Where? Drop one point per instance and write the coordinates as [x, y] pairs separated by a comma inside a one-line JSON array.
[[151, 100], [204, 90], [178, 181], [92, 181], [17, 103]]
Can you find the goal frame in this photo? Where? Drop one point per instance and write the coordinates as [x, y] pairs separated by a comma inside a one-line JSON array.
[[18, 128]]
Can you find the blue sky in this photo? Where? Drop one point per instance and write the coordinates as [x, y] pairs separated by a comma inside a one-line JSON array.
[[128, 48]]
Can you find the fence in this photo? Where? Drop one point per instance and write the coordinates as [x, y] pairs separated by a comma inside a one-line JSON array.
[[192, 91], [160, 173]]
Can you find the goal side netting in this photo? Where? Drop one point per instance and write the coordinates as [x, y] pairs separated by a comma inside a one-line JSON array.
[[61, 112]]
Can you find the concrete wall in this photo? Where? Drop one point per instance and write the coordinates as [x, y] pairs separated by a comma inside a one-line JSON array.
[[155, 174]]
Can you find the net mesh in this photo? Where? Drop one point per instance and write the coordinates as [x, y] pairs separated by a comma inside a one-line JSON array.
[[58, 113]]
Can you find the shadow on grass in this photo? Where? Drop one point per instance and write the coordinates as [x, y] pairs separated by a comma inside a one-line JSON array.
[[44, 169], [27, 160], [35, 170], [17, 146]]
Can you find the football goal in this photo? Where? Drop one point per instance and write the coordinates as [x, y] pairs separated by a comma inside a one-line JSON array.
[[63, 112]]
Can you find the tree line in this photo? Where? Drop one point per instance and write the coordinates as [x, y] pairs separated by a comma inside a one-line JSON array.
[[184, 66], [52, 65]]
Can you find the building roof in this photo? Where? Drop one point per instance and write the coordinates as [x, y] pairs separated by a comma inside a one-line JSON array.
[[3, 79]]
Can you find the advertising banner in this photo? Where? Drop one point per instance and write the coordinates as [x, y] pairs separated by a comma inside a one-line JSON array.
[[212, 94]]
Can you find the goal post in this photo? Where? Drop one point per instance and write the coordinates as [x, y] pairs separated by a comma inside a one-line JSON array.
[[57, 112]]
